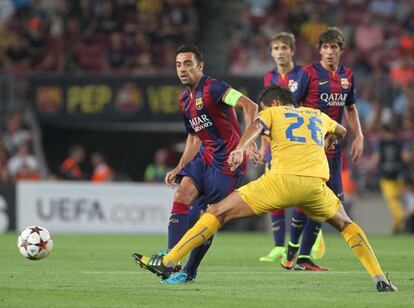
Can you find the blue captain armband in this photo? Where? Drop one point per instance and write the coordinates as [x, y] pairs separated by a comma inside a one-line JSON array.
[[231, 97]]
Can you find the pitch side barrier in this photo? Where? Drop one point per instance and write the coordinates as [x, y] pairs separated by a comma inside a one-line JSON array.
[[85, 207], [7, 207]]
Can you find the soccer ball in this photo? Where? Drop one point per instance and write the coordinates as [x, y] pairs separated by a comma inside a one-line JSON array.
[[35, 243]]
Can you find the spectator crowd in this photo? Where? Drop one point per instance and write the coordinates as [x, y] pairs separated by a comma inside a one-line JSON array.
[[134, 36], [17, 161]]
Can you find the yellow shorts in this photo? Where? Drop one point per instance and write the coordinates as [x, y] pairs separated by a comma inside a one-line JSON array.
[[277, 191]]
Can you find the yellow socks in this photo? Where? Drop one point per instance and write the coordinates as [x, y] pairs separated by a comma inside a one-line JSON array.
[[357, 240], [205, 227]]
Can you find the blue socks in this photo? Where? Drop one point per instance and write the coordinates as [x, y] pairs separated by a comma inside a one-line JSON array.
[[177, 227], [296, 225], [278, 227], [310, 233]]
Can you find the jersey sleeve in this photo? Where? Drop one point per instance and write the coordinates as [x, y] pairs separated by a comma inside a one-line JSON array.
[[303, 80], [265, 119], [350, 99], [329, 124], [217, 89]]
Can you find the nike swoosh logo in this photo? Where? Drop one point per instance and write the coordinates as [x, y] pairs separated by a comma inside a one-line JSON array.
[[323, 82]]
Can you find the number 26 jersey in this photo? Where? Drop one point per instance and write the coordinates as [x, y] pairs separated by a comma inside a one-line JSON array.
[[296, 138]]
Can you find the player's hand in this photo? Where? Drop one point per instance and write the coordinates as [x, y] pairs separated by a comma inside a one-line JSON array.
[[330, 142], [170, 177], [357, 148], [254, 154], [235, 159]]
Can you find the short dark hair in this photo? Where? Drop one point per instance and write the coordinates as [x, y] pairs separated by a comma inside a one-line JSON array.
[[276, 92], [332, 35], [191, 48]]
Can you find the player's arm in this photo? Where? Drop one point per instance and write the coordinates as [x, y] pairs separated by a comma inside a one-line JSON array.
[[249, 136], [236, 99], [262, 150], [335, 136], [334, 131], [192, 145], [352, 117]]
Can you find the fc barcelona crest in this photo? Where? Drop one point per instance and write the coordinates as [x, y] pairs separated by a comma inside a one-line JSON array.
[[199, 103], [345, 83]]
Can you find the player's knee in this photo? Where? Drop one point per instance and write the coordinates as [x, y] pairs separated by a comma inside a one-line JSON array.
[[183, 196], [340, 221], [343, 224], [217, 211]]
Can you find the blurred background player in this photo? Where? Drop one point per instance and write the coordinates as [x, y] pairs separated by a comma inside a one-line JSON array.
[[213, 132], [330, 88], [156, 171], [70, 168], [391, 157], [298, 177], [101, 170], [284, 74]]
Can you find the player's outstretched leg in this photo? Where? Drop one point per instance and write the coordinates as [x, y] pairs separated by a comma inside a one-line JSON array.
[[356, 239], [310, 233], [279, 234], [232, 207], [163, 266]]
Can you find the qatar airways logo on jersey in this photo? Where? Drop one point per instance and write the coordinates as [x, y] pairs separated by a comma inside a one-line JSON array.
[[334, 99], [198, 123]]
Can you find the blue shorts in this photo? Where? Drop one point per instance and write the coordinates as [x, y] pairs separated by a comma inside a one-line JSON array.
[[335, 179], [212, 184]]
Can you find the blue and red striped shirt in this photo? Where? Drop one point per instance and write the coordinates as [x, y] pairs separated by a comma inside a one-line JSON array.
[[213, 121], [287, 81], [327, 91]]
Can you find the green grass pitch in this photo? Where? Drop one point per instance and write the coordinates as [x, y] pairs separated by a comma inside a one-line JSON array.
[[98, 271]]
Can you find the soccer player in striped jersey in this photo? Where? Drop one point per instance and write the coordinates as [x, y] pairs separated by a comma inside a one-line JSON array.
[[211, 122], [299, 137], [284, 74], [329, 87]]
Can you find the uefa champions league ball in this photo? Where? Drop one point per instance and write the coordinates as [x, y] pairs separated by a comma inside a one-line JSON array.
[[35, 243]]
